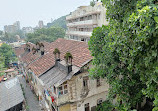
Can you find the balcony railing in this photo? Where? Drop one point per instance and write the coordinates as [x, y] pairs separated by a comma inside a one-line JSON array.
[[79, 33], [86, 22], [90, 11]]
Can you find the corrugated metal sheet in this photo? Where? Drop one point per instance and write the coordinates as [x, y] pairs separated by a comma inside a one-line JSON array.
[[57, 76], [10, 94]]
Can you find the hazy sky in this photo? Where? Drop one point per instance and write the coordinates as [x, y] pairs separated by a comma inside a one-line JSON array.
[[29, 12]]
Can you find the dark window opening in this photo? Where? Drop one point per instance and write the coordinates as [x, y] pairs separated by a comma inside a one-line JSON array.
[[82, 39], [87, 107], [99, 101], [85, 82], [98, 82]]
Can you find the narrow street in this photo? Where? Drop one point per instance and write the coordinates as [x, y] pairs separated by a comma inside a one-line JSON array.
[[32, 102]]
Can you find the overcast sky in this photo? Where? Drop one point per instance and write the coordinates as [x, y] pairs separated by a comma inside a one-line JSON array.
[[29, 12]]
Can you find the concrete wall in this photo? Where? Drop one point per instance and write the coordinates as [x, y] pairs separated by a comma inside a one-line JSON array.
[[65, 108], [92, 86], [91, 100]]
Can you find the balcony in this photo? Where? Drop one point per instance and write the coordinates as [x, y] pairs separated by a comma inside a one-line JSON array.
[[87, 22], [89, 11], [79, 33], [63, 99]]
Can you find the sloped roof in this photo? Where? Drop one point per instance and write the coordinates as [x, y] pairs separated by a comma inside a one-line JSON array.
[[56, 76], [10, 94], [78, 49], [29, 56]]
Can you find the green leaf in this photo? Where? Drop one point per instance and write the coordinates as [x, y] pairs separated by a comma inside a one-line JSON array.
[[156, 19]]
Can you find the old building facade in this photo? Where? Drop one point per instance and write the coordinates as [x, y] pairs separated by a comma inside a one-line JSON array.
[[64, 84]]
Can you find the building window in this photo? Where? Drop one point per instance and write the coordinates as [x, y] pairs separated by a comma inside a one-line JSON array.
[[86, 107], [98, 82], [63, 89], [81, 19], [54, 89], [90, 17], [76, 38], [99, 101], [83, 39], [85, 82], [98, 16], [84, 11]]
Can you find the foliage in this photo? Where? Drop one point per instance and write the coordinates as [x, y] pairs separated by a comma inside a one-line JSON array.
[[105, 105], [56, 51], [8, 37], [11, 37], [49, 34], [68, 57], [60, 22], [7, 54], [92, 3], [2, 65], [126, 52]]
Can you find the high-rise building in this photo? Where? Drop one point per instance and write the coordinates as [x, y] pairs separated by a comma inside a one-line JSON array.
[[40, 24], [17, 24], [12, 28], [27, 30], [82, 21]]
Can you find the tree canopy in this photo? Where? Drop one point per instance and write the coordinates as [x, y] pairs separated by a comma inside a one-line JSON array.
[[126, 52], [11, 37], [46, 34], [6, 55], [2, 65], [60, 22]]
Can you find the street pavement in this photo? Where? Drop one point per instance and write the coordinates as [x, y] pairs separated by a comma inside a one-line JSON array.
[[31, 99]]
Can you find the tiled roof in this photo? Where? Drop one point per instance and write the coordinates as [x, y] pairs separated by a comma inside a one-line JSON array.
[[29, 57], [78, 49]]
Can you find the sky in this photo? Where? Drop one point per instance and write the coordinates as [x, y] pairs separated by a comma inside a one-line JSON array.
[[29, 12]]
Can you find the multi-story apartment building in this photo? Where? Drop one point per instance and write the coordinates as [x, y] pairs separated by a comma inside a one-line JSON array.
[[82, 21], [40, 24], [12, 28], [17, 24], [27, 30]]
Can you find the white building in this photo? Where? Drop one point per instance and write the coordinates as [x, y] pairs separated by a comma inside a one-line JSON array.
[[82, 21], [27, 30]]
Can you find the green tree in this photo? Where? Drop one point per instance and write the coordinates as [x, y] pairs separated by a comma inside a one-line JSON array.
[[92, 3], [2, 65], [9, 37], [46, 34], [8, 54], [60, 22], [126, 52]]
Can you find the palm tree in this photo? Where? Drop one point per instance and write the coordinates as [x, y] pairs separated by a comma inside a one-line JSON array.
[[68, 57], [55, 52]]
